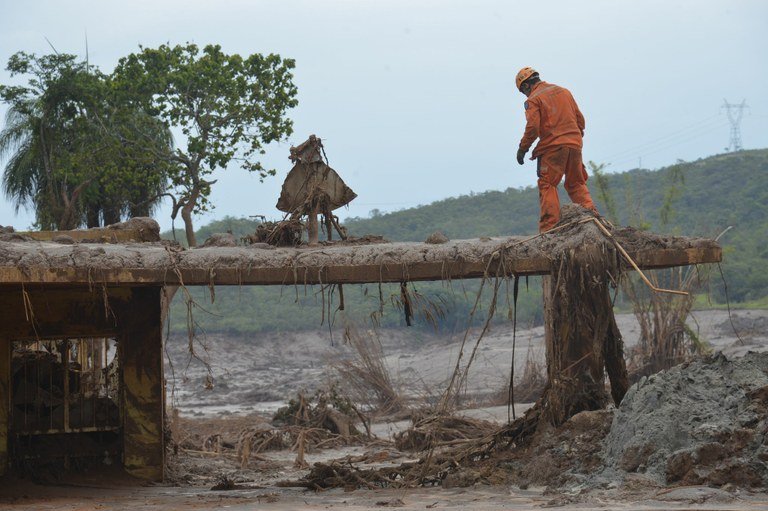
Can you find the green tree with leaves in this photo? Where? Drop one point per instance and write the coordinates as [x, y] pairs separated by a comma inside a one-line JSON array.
[[604, 190], [228, 107], [65, 141]]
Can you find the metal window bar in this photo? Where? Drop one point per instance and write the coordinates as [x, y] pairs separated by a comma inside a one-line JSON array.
[[79, 393]]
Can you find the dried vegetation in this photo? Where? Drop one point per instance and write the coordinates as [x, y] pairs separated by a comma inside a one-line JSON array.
[[366, 375], [322, 421], [666, 340]]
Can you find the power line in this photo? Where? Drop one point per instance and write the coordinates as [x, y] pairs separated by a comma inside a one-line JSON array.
[[706, 123], [735, 113], [664, 143], [672, 143]]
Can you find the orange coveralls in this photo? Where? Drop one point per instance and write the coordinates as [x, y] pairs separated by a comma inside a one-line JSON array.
[[553, 117]]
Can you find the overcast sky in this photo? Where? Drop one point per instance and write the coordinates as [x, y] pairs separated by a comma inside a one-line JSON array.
[[415, 100]]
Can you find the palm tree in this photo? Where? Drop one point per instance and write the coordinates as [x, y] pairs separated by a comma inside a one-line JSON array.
[[29, 179], [77, 153], [24, 174]]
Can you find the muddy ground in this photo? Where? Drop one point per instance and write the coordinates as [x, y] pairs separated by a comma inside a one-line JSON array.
[[567, 468], [482, 498], [259, 373]]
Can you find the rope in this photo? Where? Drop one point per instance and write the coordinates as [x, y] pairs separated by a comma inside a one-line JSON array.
[[728, 304], [634, 265], [511, 396]]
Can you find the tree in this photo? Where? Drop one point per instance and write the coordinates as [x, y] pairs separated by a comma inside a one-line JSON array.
[[65, 139], [131, 180], [228, 107]]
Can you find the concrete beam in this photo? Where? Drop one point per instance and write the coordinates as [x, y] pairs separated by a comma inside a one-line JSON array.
[[241, 266]]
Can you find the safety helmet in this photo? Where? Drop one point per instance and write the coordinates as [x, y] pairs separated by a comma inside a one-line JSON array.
[[523, 75]]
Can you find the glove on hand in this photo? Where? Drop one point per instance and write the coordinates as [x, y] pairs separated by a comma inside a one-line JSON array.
[[520, 156]]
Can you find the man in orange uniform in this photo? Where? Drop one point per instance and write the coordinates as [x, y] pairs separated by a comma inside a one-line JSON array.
[[554, 118]]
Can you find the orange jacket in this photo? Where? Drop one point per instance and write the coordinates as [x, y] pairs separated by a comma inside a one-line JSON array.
[[552, 116]]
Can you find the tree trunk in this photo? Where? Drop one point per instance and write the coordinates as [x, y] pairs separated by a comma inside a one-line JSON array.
[[111, 215], [71, 216], [92, 216], [68, 219], [186, 215], [582, 338], [313, 230], [144, 200], [141, 209]]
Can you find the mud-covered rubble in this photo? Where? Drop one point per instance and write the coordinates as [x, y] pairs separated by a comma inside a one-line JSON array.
[[144, 229], [557, 457], [577, 228], [699, 423]]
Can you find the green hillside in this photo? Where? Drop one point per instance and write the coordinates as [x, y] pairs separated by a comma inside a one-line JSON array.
[[707, 196], [718, 191]]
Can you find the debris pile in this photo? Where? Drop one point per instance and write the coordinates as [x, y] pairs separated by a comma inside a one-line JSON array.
[[327, 409], [434, 431], [437, 238], [285, 233], [704, 422], [700, 423], [220, 239], [553, 457], [146, 228], [336, 475], [310, 189], [325, 420]]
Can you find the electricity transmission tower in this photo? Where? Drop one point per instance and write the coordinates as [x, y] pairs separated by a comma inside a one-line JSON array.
[[735, 113]]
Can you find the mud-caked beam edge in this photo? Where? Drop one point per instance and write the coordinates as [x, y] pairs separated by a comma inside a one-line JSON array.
[[222, 274]]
